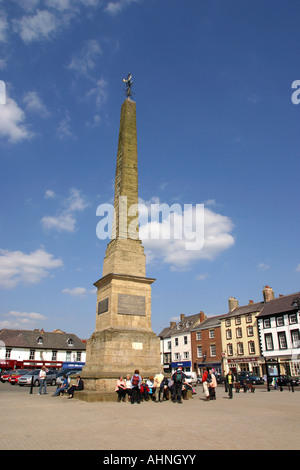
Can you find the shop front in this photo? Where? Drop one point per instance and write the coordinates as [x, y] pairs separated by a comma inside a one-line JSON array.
[[186, 366], [244, 364], [216, 366]]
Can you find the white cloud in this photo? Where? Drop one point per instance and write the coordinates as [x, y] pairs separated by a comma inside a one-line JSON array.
[[178, 249], [3, 27], [116, 7], [35, 104], [78, 291], [49, 194], [264, 266], [12, 122], [65, 220], [18, 267], [42, 25], [298, 268], [201, 277], [98, 93], [20, 320], [64, 128], [86, 59]]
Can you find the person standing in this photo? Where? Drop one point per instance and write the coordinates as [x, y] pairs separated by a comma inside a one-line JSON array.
[[229, 383], [136, 381], [205, 384], [179, 378], [158, 378], [212, 386], [43, 381]]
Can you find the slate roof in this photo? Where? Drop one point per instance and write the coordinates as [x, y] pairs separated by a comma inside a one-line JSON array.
[[29, 339], [210, 322], [185, 325], [245, 309], [280, 305]]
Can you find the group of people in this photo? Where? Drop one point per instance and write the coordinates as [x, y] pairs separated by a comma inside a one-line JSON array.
[[209, 383], [156, 388], [65, 387]]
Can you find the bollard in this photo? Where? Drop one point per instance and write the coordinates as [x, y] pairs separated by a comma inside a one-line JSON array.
[[31, 385]]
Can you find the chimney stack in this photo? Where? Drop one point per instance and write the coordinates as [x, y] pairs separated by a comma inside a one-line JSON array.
[[232, 303], [172, 324], [268, 294], [202, 316], [182, 316]]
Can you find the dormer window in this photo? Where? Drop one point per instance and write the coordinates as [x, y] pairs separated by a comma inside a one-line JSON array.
[[70, 342], [39, 340]]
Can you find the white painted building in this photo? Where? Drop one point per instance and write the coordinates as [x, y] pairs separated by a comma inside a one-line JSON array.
[[279, 334], [32, 349]]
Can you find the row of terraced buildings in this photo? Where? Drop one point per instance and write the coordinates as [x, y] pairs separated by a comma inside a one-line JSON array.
[[262, 338]]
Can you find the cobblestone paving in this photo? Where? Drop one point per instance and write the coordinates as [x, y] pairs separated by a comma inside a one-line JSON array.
[[261, 420]]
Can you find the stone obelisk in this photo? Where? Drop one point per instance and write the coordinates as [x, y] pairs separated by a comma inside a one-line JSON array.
[[123, 339]]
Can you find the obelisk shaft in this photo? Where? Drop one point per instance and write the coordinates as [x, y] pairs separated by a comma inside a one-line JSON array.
[[125, 253]]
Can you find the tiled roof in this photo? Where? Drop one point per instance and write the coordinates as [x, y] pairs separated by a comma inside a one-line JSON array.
[[280, 305], [186, 324], [245, 309], [210, 322], [29, 339]]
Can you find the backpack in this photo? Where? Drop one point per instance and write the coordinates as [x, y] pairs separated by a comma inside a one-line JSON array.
[[135, 380], [178, 377]]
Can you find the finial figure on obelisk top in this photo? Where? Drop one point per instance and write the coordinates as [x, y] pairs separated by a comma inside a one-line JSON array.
[[129, 82]]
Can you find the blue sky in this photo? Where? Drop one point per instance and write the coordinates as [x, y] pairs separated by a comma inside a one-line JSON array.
[[216, 126]]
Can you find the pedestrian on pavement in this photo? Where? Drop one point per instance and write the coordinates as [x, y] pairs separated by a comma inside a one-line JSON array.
[[78, 386], [64, 386], [43, 381], [136, 381], [179, 378], [158, 378], [212, 386], [121, 389], [205, 381], [229, 380], [150, 385]]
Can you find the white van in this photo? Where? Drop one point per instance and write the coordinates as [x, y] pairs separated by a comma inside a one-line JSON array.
[[191, 377]]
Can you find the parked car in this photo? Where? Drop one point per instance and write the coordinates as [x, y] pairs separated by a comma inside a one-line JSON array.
[[67, 373], [220, 379], [14, 378], [191, 377], [286, 380], [26, 379], [251, 378], [6, 374]]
